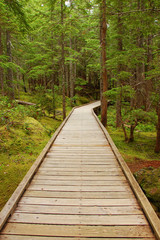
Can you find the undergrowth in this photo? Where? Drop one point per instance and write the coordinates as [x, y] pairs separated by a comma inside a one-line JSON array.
[[144, 140], [24, 131]]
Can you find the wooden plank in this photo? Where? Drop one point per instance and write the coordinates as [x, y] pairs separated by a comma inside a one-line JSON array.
[[78, 178], [12, 237], [79, 164], [79, 183], [78, 202], [79, 210], [76, 169], [78, 173], [77, 231], [82, 195], [120, 220], [78, 188]]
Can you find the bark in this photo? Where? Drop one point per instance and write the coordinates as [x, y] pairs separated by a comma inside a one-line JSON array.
[[53, 75], [148, 84], [24, 84], [62, 61], [103, 63], [125, 133], [132, 127], [157, 147], [118, 110], [71, 75], [140, 69], [120, 49], [1, 69], [9, 76]]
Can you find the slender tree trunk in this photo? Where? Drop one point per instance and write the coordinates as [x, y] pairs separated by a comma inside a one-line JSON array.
[[24, 84], [120, 67], [148, 84], [131, 137], [1, 69], [9, 76], [62, 60], [103, 63], [157, 147], [140, 68], [53, 75], [118, 110], [125, 133], [71, 75]]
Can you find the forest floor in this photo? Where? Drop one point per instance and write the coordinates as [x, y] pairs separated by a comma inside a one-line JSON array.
[[139, 164], [143, 162]]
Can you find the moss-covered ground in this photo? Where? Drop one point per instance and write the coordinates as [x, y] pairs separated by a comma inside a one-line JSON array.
[[19, 148], [140, 156]]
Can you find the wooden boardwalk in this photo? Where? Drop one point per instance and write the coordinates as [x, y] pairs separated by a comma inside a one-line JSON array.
[[79, 191]]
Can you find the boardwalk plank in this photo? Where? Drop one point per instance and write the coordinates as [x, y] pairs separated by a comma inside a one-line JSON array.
[[82, 195], [78, 219], [79, 188], [77, 202], [78, 178], [78, 183], [79, 210], [77, 231], [12, 237]]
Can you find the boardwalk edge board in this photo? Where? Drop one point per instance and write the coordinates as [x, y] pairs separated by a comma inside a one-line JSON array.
[[14, 199], [145, 204]]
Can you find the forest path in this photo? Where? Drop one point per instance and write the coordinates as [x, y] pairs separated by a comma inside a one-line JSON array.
[[79, 192]]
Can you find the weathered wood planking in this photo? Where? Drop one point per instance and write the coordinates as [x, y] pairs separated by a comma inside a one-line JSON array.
[[78, 231], [12, 237], [79, 191]]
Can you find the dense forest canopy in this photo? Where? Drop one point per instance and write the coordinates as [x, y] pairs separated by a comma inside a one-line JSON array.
[[74, 48]]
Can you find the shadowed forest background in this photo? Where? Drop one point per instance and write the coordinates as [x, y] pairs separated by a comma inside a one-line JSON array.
[[51, 54]]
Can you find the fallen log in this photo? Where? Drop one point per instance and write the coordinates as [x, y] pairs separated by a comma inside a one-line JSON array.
[[25, 103]]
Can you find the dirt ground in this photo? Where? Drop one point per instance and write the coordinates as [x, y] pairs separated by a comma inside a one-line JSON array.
[[139, 164]]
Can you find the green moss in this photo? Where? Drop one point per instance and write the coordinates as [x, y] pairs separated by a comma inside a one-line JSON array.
[[19, 148], [142, 148], [148, 178]]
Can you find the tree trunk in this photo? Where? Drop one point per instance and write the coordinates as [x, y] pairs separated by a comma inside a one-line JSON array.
[[118, 110], [140, 68], [157, 147], [71, 76], [120, 49], [103, 63], [131, 137], [1, 69], [148, 84], [24, 84], [125, 133], [62, 61], [9, 76]]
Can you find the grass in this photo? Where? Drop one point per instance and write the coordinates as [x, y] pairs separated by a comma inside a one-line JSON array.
[[144, 140], [142, 147]]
